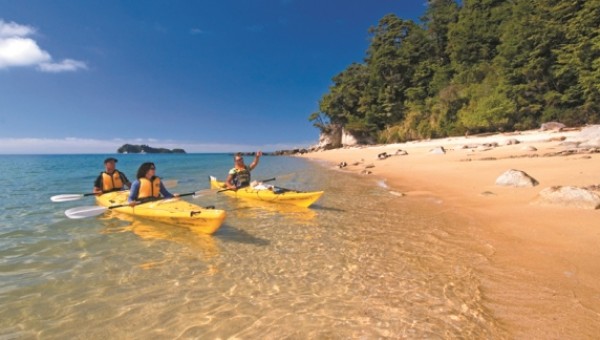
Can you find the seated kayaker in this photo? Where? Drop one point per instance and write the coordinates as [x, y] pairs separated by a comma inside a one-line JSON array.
[[110, 179], [239, 175], [148, 186]]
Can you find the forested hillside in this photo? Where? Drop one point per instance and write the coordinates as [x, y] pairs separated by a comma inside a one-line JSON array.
[[469, 67]]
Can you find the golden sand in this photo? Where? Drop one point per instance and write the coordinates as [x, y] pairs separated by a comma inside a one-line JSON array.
[[544, 277]]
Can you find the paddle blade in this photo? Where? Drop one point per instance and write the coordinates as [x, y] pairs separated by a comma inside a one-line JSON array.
[[203, 192], [84, 212], [66, 197]]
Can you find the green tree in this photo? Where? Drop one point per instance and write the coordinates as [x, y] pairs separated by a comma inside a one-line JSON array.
[[578, 61], [341, 104]]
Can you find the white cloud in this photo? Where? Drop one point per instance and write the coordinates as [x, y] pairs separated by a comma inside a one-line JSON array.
[[11, 29], [65, 65], [17, 49], [21, 52], [72, 145]]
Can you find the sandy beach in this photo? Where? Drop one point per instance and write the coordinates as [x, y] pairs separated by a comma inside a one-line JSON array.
[[543, 277]]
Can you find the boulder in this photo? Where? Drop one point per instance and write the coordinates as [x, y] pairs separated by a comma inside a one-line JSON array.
[[589, 132], [569, 196], [552, 126], [516, 178]]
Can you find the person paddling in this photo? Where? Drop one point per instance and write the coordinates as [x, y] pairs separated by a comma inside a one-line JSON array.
[[148, 186], [239, 175], [110, 179]]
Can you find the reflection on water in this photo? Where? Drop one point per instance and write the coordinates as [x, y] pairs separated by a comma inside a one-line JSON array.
[[243, 208], [360, 264], [153, 230]]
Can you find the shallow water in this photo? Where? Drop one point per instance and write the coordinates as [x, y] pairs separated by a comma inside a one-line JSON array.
[[361, 263]]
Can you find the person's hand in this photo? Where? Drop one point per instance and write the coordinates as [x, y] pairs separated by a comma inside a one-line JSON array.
[[258, 153], [132, 204]]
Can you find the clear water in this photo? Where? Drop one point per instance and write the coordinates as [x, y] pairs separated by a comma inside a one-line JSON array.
[[361, 263]]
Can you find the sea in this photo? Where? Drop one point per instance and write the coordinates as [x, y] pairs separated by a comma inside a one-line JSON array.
[[361, 263]]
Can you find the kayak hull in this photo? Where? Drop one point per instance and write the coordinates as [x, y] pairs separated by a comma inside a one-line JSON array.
[[172, 211], [291, 197]]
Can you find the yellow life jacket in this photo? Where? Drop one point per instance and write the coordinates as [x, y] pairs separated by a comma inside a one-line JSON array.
[[149, 188], [111, 182]]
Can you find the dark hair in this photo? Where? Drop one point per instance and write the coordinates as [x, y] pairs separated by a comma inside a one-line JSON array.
[[144, 168]]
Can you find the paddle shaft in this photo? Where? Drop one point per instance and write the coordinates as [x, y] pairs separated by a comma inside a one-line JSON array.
[[159, 199], [83, 212], [74, 197]]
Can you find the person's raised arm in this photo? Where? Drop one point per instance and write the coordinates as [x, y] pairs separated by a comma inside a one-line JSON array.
[[256, 160]]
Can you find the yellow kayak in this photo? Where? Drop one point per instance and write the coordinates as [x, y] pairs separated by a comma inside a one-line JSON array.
[[173, 211], [297, 198]]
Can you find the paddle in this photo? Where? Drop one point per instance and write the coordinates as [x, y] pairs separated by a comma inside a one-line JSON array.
[[89, 211], [170, 183]]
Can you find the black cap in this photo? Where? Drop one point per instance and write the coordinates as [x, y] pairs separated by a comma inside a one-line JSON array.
[[110, 159]]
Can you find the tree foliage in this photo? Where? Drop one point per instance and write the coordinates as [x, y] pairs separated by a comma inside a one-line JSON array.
[[472, 66]]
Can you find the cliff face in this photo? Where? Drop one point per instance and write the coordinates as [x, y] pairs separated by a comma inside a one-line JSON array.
[[129, 148]]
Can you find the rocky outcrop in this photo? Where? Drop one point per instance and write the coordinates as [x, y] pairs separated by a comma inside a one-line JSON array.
[[330, 138], [336, 137], [129, 148]]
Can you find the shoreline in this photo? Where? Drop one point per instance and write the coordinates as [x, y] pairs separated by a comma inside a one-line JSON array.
[[550, 251]]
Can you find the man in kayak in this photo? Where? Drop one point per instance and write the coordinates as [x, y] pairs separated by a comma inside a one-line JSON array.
[[110, 179], [148, 186], [239, 175]]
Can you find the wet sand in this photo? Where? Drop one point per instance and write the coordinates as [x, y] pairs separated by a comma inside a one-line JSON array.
[[543, 277]]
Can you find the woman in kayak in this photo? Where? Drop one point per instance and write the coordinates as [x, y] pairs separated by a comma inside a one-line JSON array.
[[239, 175], [148, 186]]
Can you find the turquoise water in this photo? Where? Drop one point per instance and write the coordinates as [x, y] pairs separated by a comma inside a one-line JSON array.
[[360, 263]]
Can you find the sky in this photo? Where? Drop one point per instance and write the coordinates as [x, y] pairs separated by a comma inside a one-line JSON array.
[[206, 76]]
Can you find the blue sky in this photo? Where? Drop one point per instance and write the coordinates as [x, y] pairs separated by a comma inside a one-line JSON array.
[[206, 76]]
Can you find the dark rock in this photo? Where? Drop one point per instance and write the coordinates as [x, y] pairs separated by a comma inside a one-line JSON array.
[[129, 148]]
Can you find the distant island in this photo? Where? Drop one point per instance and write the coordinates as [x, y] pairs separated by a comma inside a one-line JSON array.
[[129, 148]]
